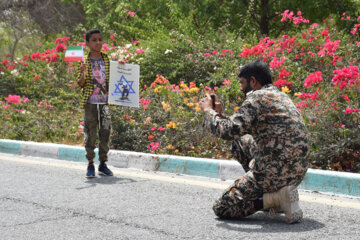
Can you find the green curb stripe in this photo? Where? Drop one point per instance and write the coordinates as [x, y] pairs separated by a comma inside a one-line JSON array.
[[12, 147], [74, 154], [188, 166], [315, 180], [334, 182]]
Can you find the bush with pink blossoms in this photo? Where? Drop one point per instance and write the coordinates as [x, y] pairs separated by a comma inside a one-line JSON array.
[[316, 64]]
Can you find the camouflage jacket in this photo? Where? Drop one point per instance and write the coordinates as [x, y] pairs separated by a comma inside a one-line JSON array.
[[276, 125]]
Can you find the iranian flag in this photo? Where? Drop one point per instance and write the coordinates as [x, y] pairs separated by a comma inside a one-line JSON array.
[[74, 53]]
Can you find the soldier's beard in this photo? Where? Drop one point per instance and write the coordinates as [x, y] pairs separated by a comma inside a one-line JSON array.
[[248, 89]]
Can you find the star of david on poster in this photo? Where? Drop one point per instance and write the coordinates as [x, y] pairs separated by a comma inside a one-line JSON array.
[[124, 84]]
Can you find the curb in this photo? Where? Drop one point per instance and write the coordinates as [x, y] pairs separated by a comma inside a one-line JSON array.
[[315, 180]]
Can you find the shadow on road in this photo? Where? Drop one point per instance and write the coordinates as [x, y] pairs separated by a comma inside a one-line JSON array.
[[106, 180], [262, 222]]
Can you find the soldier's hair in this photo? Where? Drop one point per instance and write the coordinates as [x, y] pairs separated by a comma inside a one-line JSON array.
[[91, 32], [259, 70]]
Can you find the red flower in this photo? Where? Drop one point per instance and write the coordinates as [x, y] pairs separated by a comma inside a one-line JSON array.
[[36, 77], [313, 78], [60, 47]]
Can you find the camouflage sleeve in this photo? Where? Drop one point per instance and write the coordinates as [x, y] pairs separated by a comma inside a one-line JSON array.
[[235, 126]]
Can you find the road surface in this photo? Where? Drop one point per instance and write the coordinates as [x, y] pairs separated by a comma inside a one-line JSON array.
[[51, 199]]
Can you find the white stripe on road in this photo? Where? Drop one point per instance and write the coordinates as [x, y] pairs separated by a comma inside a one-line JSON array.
[[144, 175]]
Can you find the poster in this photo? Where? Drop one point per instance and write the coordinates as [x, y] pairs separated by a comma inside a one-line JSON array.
[[124, 84]]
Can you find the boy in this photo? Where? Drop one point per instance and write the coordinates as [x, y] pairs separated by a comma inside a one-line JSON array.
[[93, 78]]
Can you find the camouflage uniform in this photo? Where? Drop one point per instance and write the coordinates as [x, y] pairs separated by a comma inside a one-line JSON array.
[[269, 140]]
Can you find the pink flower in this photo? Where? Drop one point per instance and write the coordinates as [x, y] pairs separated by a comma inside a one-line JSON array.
[[226, 82], [153, 146], [39, 43], [346, 77], [313, 78], [60, 47], [81, 123], [207, 54], [105, 47], [214, 52], [325, 33], [144, 103], [5, 62], [26, 100], [348, 111], [13, 99], [161, 129], [345, 97], [140, 50], [112, 36], [80, 130], [276, 62], [36, 77], [153, 129], [132, 14]]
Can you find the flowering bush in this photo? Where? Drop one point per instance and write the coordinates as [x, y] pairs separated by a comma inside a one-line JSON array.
[[318, 67], [315, 64], [169, 121]]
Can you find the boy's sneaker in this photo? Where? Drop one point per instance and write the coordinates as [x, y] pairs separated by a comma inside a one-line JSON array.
[[90, 171], [104, 170]]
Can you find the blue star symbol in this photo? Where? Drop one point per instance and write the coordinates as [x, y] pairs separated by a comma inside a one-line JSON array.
[[120, 82]]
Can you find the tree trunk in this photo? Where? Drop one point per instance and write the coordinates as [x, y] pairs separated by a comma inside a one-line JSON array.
[[264, 18]]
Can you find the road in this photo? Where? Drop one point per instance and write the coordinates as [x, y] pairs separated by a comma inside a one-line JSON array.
[[51, 199]]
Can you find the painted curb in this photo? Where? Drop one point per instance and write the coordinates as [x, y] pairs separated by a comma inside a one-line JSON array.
[[315, 180]]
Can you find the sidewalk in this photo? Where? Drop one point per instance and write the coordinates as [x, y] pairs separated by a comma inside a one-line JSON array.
[[315, 180]]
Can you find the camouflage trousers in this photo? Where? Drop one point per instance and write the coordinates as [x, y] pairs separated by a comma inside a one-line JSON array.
[[239, 199], [97, 122]]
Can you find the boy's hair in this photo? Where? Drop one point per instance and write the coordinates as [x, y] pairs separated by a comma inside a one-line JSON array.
[[257, 69], [91, 32]]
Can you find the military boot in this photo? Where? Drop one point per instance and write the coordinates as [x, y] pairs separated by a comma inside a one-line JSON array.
[[286, 200]]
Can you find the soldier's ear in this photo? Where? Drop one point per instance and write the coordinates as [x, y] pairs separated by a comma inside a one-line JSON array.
[[253, 82]]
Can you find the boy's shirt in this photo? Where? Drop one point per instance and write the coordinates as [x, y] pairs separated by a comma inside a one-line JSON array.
[[88, 88], [100, 93]]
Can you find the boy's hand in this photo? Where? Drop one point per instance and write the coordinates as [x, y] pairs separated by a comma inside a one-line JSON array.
[[83, 69]]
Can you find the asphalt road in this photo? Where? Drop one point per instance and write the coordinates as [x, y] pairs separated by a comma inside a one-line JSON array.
[[51, 199]]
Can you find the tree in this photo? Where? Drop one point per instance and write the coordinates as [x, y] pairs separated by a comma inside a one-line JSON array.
[[52, 16], [265, 15], [26, 21]]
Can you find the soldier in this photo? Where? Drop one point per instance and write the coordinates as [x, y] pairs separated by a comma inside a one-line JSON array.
[[269, 140]]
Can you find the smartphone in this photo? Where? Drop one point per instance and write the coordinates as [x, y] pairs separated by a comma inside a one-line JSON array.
[[213, 100]]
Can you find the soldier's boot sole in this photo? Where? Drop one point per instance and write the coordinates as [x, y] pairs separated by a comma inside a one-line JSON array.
[[290, 204]]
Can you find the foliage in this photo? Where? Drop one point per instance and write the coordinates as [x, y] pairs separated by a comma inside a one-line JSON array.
[[45, 111], [316, 64]]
